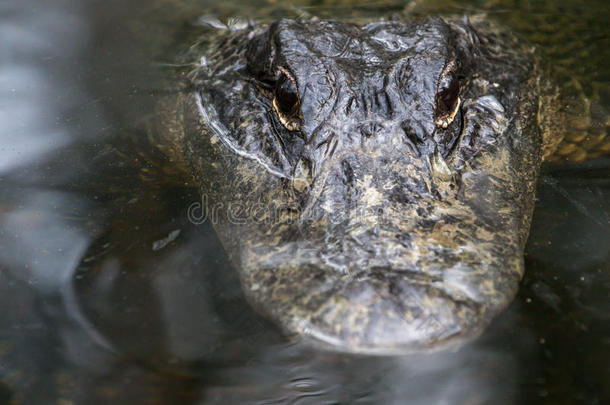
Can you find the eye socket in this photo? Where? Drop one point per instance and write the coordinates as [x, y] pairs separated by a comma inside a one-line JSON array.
[[286, 101], [447, 99]]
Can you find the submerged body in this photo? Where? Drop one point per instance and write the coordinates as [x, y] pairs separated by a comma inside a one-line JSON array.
[[373, 185]]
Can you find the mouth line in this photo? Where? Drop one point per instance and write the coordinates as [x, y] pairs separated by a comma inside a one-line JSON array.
[[451, 337], [312, 336]]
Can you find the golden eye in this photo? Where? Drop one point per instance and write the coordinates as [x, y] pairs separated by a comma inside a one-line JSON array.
[[447, 98], [286, 101]]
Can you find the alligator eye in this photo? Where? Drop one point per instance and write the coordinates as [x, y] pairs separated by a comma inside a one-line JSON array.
[[286, 101], [447, 100]]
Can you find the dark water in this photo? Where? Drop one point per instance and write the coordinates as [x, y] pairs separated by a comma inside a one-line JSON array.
[[109, 294]]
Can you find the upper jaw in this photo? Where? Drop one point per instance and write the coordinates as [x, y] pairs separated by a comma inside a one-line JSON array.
[[399, 285]]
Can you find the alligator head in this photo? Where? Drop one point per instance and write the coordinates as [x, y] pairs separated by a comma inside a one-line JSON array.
[[374, 184]]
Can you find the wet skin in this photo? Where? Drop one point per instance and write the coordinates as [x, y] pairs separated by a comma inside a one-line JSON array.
[[373, 185]]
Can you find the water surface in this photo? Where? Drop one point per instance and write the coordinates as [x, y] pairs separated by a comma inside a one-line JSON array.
[[110, 293]]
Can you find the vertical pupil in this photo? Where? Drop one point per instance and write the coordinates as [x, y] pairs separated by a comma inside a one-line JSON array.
[[286, 95], [447, 96]]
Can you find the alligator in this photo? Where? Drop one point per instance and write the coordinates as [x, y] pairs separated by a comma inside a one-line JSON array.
[[372, 184]]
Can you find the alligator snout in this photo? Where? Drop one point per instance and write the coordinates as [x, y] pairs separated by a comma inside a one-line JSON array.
[[380, 291], [386, 262]]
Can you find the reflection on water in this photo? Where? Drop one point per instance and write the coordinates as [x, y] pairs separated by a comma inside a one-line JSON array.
[[111, 294], [38, 63]]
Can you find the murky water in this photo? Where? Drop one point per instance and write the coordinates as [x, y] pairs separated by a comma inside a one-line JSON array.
[[109, 294]]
